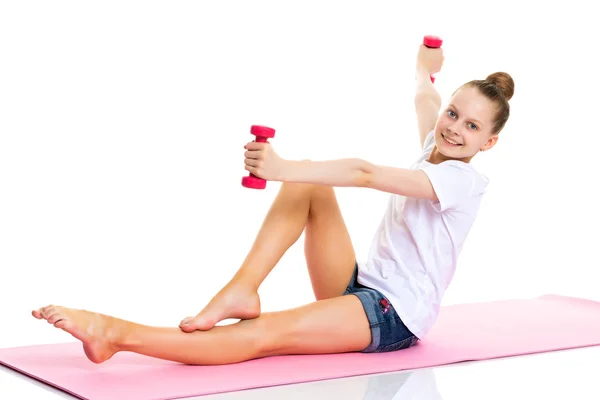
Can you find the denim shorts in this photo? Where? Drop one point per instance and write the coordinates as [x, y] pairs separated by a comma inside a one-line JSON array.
[[388, 332]]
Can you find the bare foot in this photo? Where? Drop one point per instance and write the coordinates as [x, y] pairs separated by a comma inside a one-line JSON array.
[[233, 301], [97, 332]]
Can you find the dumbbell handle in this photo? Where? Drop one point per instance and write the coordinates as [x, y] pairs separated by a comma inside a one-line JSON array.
[[433, 42], [262, 134]]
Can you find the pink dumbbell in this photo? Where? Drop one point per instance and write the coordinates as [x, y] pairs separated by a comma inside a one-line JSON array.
[[262, 133], [432, 42]]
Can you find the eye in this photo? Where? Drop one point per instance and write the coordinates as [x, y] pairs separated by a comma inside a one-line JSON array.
[[451, 113], [473, 126]]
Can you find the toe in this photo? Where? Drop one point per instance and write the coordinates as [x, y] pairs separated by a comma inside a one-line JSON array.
[[37, 314], [47, 311], [55, 316], [186, 324], [188, 328], [199, 323], [61, 323]]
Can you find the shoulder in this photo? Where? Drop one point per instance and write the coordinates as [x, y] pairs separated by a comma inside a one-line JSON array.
[[468, 171], [456, 183], [460, 171], [465, 167]]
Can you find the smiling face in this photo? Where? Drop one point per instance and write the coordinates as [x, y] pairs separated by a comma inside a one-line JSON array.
[[464, 127]]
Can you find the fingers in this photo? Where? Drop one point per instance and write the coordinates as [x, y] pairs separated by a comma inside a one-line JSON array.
[[253, 154], [252, 163], [256, 145], [252, 170], [254, 159]]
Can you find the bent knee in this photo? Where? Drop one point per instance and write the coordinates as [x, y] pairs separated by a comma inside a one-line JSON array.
[[314, 190]]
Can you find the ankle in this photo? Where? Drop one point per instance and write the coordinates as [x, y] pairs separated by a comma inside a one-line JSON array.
[[122, 335], [246, 281]]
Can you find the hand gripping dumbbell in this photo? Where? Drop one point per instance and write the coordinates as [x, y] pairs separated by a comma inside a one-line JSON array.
[[433, 42], [262, 133]]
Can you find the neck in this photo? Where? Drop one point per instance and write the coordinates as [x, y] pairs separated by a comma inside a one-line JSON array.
[[436, 157]]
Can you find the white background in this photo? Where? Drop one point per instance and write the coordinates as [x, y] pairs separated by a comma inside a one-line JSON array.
[[122, 126]]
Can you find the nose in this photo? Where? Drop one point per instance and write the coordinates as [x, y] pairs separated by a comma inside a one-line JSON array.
[[453, 128]]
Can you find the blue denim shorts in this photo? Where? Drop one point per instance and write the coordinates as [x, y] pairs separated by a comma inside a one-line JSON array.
[[388, 332]]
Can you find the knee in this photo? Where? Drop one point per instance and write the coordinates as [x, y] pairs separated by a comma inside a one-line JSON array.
[[323, 194], [316, 195], [305, 189]]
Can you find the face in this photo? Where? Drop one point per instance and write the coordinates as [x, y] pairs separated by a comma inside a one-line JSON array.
[[464, 127]]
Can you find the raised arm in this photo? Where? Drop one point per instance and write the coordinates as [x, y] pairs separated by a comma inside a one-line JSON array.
[[427, 100]]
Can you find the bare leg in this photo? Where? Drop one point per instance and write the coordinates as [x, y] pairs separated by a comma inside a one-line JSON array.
[[328, 248], [334, 325]]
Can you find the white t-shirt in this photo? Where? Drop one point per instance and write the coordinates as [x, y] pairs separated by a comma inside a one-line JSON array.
[[414, 252]]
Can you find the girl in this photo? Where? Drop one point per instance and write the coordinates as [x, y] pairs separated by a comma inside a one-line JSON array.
[[385, 303]]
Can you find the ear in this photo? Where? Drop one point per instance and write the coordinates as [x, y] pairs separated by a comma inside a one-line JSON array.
[[490, 143]]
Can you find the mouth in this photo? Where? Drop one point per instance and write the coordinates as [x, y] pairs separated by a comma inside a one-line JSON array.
[[450, 142]]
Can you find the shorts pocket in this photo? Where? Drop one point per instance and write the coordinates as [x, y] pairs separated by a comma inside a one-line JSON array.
[[400, 345]]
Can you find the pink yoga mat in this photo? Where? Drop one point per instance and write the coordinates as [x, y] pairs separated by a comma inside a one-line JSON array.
[[464, 332]]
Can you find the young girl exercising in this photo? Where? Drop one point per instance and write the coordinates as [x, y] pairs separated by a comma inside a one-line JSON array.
[[385, 303]]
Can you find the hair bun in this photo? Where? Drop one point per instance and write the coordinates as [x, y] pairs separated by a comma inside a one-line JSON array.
[[504, 82]]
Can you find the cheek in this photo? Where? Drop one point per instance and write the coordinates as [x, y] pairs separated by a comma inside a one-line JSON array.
[[442, 123]]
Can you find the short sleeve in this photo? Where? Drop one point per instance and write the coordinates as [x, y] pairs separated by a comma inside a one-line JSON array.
[[455, 183], [429, 142]]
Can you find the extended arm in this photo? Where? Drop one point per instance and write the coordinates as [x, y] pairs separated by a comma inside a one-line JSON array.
[[354, 172]]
